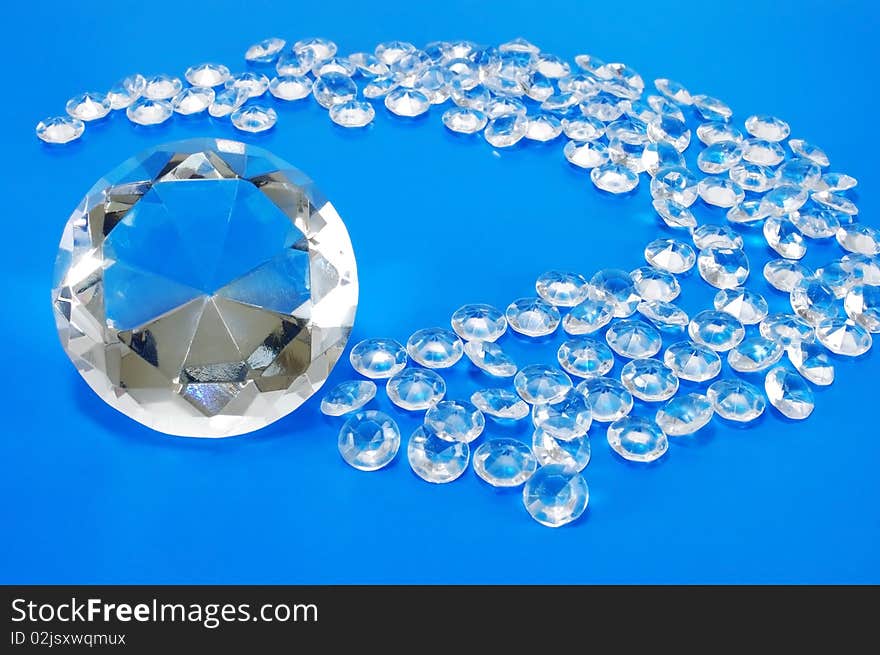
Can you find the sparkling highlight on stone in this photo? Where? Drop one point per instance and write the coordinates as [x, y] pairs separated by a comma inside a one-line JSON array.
[[434, 348], [555, 495], [504, 462], [455, 420], [435, 460], [637, 439], [369, 440], [348, 396]]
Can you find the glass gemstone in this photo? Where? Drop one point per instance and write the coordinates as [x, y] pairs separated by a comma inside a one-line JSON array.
[[479, 322], [719, 157], [618, 288], [837, 277], [768, 128], [862, 305], [837, 182], [500, 404], [60, 129], [415, 389], [802, 174], [716, 236], [347, 397], [434, 347], [369, 440], [692, 361], [464, 120], [541, 384], [455, 420], [295, 62], [614, 178], [673, 90], [736, 400], [586, 155], [754, 354], [813, 301], [785, 274], [589, 316], [609, 400], [126, 91], [379, 87], [532, 317], [207, 75], [435, 460], [572, 453], [712, 109], [555, 495], [685, 414], [505, 131], [664, 315], [265, 51], [633, 339], [88, 106], [675, 183], [254, 118], [649, 380], [752, 177], [378, 358], [562, 288], [816, 223], [290, 87], [673, 214], [319, 49], [335, 88], [844, 337], [407, 102], [720, 192], [718, 131], [161, 87], [491, 358], [786, 329], [835, 202], [655, 284], [637, 439], [670, 255], [145, 111], [781, 235], [504, 462], [789, 393], [812, 361], [583, 129], [763, 153], [193, 100], [858, 238], [723, 268], [565, 419], [717, 330], [227, 101], [745, 305], [585, 358], [543, 127], [748, 211]]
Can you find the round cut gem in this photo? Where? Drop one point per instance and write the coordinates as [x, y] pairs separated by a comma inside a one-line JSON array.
[[583, 128], [723, 268], [685, 414], [748, 211], [609, 400], [816, 223], [589, 316], [752, 177], [352, 113], [717, 131], [664, 315], [227, 101], [673, 90], [208, 74], [763, 153], [161, 87], [712, 109], [532, 317], [543, 127], [500, 404], [673, 214], [813, 301], [736, 400], [555, 495], [784, 274], [675, 183], [265, 51], [720, 192], [691, 361], [491, 358], [618, 288], [858, 238], [835, 202], [435, 460], [88, 106], [333, 89], [434, 347], [862, 305], [655, 284], [60, 129], [562, 288], [572, 453], [295, 62], [146, 111], [767, 127], [379, 87], [786, 329], [478, 322], [407, 102], [633, 339], [585, 358], [716, 330], [789, 393], [255, 84], [506, 130], [193, 100], [565, 419], [586, 155], [219, 348], [614, 178], [504, 462], [455, 420], [799, 175], [812, 361], [837, 182], [781, 235], [754, 354], [369, 440], [126, 91], [254, 118], [670, 255], [541, 384], [318, 49], [745, 305], [415, 389], [716, 236], [720, 157], [649, 380], [844, 337], [378, 358], [464, 120], [637, 439], [347, 397]]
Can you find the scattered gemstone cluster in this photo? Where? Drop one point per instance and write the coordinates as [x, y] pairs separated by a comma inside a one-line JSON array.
[[768, 186]]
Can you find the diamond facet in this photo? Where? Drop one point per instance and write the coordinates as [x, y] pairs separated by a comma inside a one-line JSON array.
[[434, 347], [723, 268], [649, 380], [789, 393], [562, 288], [88, 106], [415, 389], [500, 404], [145, 111], [585, 358], [609, 400], [670, 255], [348, 396], [532, 317], [455, 420], [684, 414], [435, 460], [254, 118], [504, 462], [736, 400], [479, 322], [717, 330], [565, 419], [637, 439], [691, 361], [541, 384], [60, 129], [369, 440], [555, 495], [754, 354], [633, 339], [572, 453], [844, 337]]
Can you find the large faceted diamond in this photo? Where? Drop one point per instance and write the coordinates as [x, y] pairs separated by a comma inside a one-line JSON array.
[[205, 288]]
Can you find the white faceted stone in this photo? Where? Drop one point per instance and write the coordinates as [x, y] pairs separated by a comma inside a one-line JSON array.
[[671, 130], [265, 51], [752, 177], [837, 277], [491, 358], [675, 183], [161, 87], [664, 315], [786, 329], [763, 153], [295, 62], [614, 178], [407, 102], [657, 156], [504, 462], [754, 354], [145, 111], [789, 393], [319, 49], [816, 223], [379, 87], [745, 305], [858, 238], [455, 420], [555, 495], [719, 157], [335, 88], [673, 90], [586, 155], [628, 153], [582, 129], [685, 414], [368, 65], [589, 316], [574, 454], [716, 236], [193, 100], [812, 361], [369, 440], [716, 330], [670, 255], [785, 274], [618, 288], [691, 361], [464, 120], [434, 347], [736, 400], [335, 65], [415, 389], [813, 301], [88, 106], [479, 322], [435, 460], [532, 317], [565, 419], [781, 235], [768, 128], [500, 404], [227, 101], [717, 131], [505, 106], [720, 192], [862, 305], [837, 182], [585, 357], [378, 358], [505, 131], [60, 129], [126, 91], [649, 380], [723, 268], [655, 284], [609, 400], [541, 384], [208, 75], [844, 337], [290, 87], [348, 396], [543, 127], [562, 288], [712, 109], [633, 339], [637, 439], [254, 118], [835, 202]]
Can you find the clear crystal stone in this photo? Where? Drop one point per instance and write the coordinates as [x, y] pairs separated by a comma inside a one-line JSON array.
[[560, 103], [836, 202], [572, 453], [145, 111], [637, 439], [590, 315], [712, 109], [295, 62], [379, 87], [670, 255], [763, 153], [562, 288], [609, 400], [464, 120], [747, 306], [541, 384], [812, 361], [863, 268], [207, 74], [290, 87], [768, 128], [505, 131], [265, 51], [837, 182], [799, 173], [585, 358], [691, 361], [789, 393], [633, 339], [335, 65], [673, 90], [318, 49], [435, 460], [716, 330], [657, 156], [862, 305], [603, 107], [586, 155], [500, 404], [844, 337], [60, 129], [254, 118], [649, 380], [816, 223], [736, 400], [161, 87], [628, 152], [477, 97], [786, 329], [618, 288], [354, 113], [655, 284], [434, 347], [347, 397], [717, 131], [781, 235], [675, 183], [389, 52], [752, 177], [368, 65], [859, 239], [193, 100], [685, 414], [532, 317], [407, 102], [784, 274], [837, 277], [754, 354], [720, 192], [716, 236], [543, 127], [333, 89], [719, 157], [723, 268], [505, 106], [565, 419], [490, 357], [478, 322], [369, 440], [748, 211], [126, 91], [614, 178], [227, 101], [455, 420], [555, 495], [378, 358], [582, 129], [664, 315], [88, 106], [415, 388], [504, 462], [671, 130], [813, 301]]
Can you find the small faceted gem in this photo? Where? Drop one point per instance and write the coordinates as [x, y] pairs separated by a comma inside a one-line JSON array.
[[543, 128], [675, 183], [583, 129], [193, 100], [532, 317], [801, 174], [479, 322], [333, 89], [717, 330], [254, 118], [712, 109], [227, 101], [718, 131], [837, 277], [720, 157], [60, 129], [146, 111], [614, 178], [504, 462], [347, 397], [816, 223], [464, 120], [88, 106], [541, 384], [786, 329], [207, 75], [572, 453], [565, 419], [378, 358], [320, 49], [812, 361], [649, 380], [862, 305], [837, 182], [491, 358], [763, 153], [618, 288], [126, 91], [369, 440], [590, 315], [637, 439], [835, 202], [768, 128], [555, 495], [809, 151], [505, 131], [670, 129], [673, 90], [407, 102], [745, 305], [609, 400], [752, 177], [415, 389], [586, 155], [455, 420], [585, 357], [844, 337], [789, 393], [748, 211], [562, 288], [813, 301], [736, 400], [266, 51], [655, 284], [255, 84], [633, 339], [670, 255], [435, 347], [716, 236], [500, 404], [754, 354], [784, 274], [685, 414], [664, 315], [691, 361], [161, 87], [435, 460], [858, 238], [785, 199], [720, 192], [781, 235], [290, 87], [723, 268], [295, 63]]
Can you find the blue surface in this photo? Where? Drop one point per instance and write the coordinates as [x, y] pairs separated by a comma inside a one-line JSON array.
[[90, 496]]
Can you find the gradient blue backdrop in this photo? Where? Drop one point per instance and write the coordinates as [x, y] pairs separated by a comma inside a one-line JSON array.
[[89, 496]]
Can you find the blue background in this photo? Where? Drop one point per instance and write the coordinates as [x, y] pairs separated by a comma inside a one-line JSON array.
[[437, 221]]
